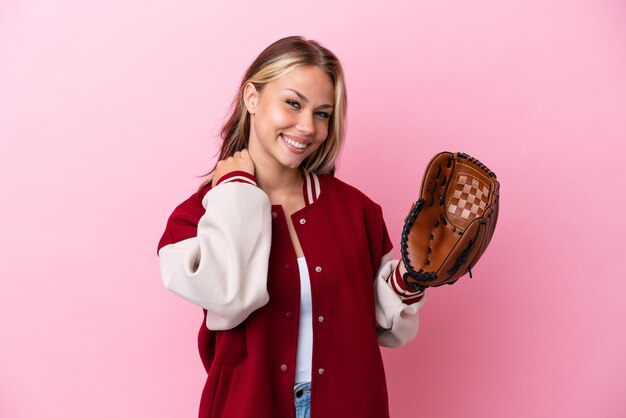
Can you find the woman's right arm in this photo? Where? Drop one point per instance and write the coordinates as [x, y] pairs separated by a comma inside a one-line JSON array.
[[223, 267]]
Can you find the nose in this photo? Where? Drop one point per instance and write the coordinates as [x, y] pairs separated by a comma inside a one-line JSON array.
[[306, 123]]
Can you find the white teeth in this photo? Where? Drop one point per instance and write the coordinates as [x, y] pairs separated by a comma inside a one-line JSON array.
[[294, 143]]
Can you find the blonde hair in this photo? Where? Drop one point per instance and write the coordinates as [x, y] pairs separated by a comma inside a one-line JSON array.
[[278, 59]]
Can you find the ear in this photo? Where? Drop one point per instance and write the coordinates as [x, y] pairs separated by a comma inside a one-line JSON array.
[[250, 97]]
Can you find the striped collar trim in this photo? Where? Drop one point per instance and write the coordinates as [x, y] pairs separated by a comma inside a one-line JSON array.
[[311, 187]]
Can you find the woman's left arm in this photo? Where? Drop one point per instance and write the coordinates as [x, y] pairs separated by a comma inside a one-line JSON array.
[[397, 306]]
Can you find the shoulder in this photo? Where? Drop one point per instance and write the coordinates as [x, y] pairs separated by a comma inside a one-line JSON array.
[[347, 192], [183, 221], [350, 199], [191, 209]]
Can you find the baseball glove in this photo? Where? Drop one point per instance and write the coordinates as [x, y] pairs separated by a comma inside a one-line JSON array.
[[449, 227]]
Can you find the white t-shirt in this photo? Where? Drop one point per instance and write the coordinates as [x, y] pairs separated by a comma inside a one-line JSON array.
[[304, 354]]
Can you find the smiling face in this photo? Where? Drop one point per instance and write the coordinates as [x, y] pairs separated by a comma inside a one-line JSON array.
[[289, 119]]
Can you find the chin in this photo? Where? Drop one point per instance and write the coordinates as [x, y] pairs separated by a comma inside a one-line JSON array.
[[292, 161], [292, 164]]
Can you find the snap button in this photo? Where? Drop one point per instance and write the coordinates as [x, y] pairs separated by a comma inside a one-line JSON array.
[[318, 269], [320, 318], [288, 266], [302, 221], [289, 315], [299, 393], [283, 367], [320, 370], [274, 215]]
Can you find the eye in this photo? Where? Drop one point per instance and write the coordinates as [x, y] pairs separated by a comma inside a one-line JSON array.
[[295, 104], [292, 102]]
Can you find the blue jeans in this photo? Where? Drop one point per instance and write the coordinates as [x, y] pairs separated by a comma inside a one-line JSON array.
[[302, 399]]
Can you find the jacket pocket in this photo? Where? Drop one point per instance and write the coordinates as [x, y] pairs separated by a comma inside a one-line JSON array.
[[231, 345], [222, 391]]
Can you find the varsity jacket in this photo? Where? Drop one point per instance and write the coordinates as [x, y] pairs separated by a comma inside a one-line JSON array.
[[227, 250]]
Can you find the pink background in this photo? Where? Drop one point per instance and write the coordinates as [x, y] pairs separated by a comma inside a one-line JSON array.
[[109, 111]]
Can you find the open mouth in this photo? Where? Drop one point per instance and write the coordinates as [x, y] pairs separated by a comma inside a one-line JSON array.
[[297, 147]]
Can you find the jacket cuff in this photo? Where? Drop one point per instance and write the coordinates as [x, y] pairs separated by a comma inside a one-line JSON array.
[[406, 294], [237, 176]]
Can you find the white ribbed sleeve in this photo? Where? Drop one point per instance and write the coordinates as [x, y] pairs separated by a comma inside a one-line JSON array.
[[224, 268], [397, 322]]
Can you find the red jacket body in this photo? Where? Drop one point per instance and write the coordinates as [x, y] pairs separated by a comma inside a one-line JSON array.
[[251, 366]]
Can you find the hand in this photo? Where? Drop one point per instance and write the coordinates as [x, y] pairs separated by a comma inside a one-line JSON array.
[[239, 161]]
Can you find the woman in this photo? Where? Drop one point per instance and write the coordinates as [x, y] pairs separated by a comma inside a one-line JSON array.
[[293, 267]]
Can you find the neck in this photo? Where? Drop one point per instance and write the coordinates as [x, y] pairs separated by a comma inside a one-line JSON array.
[[280, 180], [280, 183]]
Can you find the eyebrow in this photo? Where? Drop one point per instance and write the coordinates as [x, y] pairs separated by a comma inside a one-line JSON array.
[[301, 96]]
